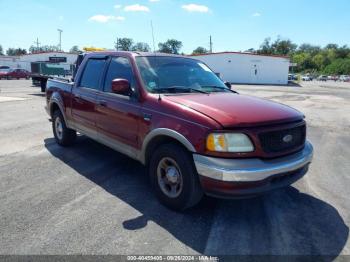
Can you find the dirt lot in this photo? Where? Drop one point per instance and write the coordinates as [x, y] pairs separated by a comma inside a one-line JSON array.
[[89, 199]]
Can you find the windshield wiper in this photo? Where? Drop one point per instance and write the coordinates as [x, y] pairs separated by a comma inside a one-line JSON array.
[[181, 88], [222, 88]]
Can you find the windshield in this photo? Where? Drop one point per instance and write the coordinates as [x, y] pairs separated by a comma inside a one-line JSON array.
[[161, 74], [4, 70]]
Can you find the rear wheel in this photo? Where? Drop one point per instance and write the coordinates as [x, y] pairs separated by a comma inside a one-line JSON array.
[[174, 178], [63, 135]]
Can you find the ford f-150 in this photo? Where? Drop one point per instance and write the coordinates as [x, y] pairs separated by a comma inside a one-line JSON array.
[[174, 115]]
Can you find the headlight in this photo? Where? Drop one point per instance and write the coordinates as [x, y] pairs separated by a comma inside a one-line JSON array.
[[234, 143]]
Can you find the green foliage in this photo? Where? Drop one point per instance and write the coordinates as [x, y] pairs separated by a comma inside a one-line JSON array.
[[1, 50], [141, 47], [44, 48], [199, 51], [75, 50], [171, 46], [332, 59], [124, 44], [16, 51], [338, 67]]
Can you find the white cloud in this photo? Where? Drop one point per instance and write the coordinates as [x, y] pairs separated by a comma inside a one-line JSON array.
[[257, 14], [118, 6], [106, 18], [136, 8], [153, 1], [196, 8]]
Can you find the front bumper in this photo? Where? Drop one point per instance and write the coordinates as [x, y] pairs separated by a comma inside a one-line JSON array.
[[251, 176]]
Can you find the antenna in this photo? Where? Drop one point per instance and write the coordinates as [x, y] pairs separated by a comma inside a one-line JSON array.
[[155, 54], [154, 45]]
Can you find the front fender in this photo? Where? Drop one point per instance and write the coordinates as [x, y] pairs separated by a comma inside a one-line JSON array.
[[164, 132]]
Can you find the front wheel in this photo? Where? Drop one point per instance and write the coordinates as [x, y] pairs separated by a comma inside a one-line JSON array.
[[63, 135], [174, 178]]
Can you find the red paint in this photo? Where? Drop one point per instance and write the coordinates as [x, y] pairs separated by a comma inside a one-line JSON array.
[[14, 73], [192, 115]]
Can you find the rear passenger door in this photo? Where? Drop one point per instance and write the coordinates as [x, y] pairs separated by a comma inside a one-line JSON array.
[[84, 96], [119, 115]]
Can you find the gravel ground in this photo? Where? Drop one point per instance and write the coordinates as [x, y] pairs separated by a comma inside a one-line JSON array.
[[89, 199]]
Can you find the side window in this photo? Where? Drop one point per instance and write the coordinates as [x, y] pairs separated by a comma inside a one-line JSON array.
[[119, 67], [92, 73]]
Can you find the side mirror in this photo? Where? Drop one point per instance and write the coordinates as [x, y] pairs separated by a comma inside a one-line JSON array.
[[121, 87], [228, 84]]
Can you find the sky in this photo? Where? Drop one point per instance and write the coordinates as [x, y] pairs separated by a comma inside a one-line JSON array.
[[235, 25]]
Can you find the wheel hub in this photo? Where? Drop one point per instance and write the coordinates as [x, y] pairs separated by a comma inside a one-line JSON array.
[[59, 128], [172, 175], [169, 177]]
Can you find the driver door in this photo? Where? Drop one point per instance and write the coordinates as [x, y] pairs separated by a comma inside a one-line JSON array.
[[118, 116]]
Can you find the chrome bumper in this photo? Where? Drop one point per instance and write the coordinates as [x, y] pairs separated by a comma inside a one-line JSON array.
[[251, 170]]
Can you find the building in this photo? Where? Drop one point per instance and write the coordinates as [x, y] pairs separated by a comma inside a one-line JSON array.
[[248, 68], [24, 61]]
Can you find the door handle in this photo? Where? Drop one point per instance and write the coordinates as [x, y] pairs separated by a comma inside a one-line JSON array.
[[147, 117], [102, 103]]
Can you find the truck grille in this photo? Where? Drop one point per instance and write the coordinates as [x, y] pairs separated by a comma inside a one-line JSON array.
[[283, 140]]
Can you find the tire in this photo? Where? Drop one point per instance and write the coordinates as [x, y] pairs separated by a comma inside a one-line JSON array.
[[188, 191], [63, 135], [43, 86]]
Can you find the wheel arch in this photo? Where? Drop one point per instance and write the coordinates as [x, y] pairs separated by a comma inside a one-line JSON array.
[[161, 136], [56, 103]]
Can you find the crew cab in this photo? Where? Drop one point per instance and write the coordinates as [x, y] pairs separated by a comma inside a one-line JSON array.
[[193, 132]]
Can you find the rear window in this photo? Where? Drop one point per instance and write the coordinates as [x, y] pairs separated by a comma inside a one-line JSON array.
[[92, 74]]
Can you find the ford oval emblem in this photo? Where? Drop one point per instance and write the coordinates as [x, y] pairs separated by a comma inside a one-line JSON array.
[[288, 138]]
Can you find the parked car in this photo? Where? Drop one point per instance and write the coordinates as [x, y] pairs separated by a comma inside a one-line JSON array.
[[306, 78], [16, 73], [174, 115], [344, 78], [322, 78]]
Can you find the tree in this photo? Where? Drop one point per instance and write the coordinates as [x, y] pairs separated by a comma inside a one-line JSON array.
[[45, 48], [16, 51], [75, 50], [265, 47], [303, 60], [141, 47], [1, 50], [338, 67], [332, 46], [307, 48], [171, 46], [279, 47], [124, 44], [200, 50], [250, 50], [283, 47]]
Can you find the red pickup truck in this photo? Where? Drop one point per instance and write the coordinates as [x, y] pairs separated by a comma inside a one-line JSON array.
[[173, 114]]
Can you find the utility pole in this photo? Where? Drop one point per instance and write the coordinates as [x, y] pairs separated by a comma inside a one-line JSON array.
[[37, 43], [60, 39], [211, 45]]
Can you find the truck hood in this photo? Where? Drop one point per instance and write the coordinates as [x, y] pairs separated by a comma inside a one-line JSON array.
[[233, 110]]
